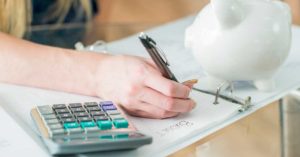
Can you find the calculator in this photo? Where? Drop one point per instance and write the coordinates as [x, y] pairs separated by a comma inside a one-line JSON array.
[[86, 127]]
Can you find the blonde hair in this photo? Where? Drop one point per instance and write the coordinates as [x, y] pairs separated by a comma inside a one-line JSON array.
[[16, 15]]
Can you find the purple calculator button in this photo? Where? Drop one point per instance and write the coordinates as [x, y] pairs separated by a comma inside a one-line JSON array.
[[106, 103], [109, 107]]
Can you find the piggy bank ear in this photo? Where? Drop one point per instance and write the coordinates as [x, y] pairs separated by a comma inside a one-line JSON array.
[[286, 10]]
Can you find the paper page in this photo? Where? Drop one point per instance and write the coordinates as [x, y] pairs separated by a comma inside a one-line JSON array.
[[14, 141]]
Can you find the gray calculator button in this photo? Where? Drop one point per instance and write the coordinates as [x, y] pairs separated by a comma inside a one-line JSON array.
[[113, 112], [98, 113], [43, 110], [79, 109], [84, 119], [73, 131], [52, 121], [65, 115], [116, 117], [60, 111], [49, 116], [55, 126], [75, 105], [100, 118], [68, 120], [95, 108], [81, 114], [59, 106], [90, 104], [57, 132], [88, 130]]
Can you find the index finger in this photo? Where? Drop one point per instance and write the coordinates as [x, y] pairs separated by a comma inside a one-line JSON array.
[[167, 87]]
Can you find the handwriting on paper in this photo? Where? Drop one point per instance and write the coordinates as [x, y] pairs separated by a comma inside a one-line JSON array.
[[171, 128]]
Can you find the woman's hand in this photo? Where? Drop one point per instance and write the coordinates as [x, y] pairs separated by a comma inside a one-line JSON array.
[[137, 85]]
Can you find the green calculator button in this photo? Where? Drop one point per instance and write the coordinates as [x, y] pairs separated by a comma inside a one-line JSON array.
[[71, 125], [122, 136], [104, 125], [87, 124], [106, 137], [120, 123]]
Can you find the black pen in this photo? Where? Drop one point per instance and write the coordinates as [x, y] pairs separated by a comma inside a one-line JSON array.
[[157, 56]]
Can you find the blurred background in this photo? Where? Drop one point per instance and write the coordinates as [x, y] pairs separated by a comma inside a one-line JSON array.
[[120, 18], [256, 135]]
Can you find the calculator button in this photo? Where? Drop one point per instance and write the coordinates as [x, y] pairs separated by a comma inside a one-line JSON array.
[[52, 121], [106, 103], [88, 130], [81, 114], [104, 125], [109, 107], [65, 115], [113, 117], [55, 126], [100, 118], [113, 112], [95, 108], [121, 136], [90, 104], [59, 111], [84, 119], [106, 137], [57, 132], [44, 110], [87, 124], [49, 116], [97, 113], [59, 106], [120, 123], [73, 131], [68, 120], [80, 109], [71, 125], [75, 105]]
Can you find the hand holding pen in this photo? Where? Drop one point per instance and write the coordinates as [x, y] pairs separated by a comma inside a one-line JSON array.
[[140, 87]]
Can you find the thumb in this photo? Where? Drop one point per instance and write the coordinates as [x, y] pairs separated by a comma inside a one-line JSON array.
[[190, 83]]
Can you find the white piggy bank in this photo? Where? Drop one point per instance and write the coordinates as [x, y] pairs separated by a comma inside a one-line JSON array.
[[241, 40]]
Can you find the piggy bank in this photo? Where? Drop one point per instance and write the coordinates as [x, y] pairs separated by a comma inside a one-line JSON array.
[[244, 40]]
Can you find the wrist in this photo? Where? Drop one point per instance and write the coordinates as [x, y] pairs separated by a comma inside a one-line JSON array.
[[85, 69]]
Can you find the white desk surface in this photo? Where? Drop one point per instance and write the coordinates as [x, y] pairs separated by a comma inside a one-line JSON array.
[[19, 100]]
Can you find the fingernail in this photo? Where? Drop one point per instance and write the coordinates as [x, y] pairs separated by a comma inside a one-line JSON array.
[[192, 81], [194, 105]]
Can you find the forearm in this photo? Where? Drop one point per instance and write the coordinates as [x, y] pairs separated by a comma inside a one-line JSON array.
[[30, 64], [133, 82]]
